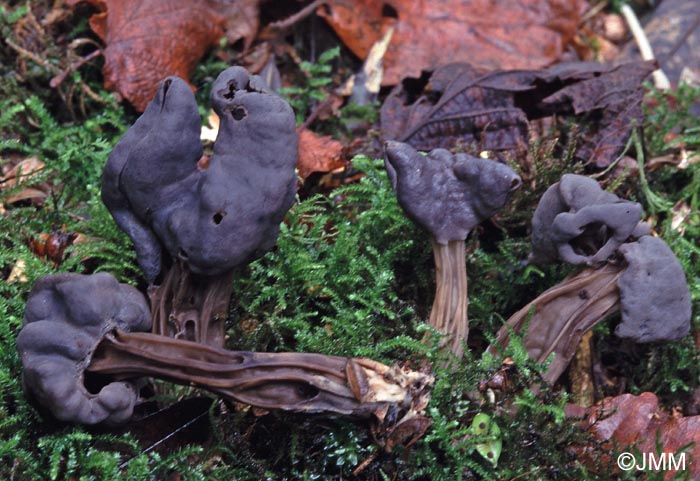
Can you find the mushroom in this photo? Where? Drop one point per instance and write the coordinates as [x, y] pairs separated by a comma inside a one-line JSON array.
[[208, 218], [654, 295], [78, 325], [580, 223], [448, 195], [65, 318], [629, 271]]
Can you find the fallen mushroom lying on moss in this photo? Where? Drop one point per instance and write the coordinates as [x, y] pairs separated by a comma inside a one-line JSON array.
[[627, 270], [78, 325], [448, 195], [195, 223]]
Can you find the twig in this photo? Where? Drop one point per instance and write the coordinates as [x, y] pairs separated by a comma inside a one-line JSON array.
[[32, 56], [661, 81], [320, 108], [297, 17], [56, 81]]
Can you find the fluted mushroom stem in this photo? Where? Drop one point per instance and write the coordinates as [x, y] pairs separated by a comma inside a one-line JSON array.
[[558, 318], [449, 312], [298, 382], [189, 307]]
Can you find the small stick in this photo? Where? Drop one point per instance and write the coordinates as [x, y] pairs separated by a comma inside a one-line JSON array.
[[299, 16], [661, 81]]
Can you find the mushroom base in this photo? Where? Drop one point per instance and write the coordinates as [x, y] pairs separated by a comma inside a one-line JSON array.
[[558, 318], [301, 382], [449, 312], [189, 307]]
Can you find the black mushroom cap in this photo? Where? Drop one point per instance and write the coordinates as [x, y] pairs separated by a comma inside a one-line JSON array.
[[447, 194], [213, 218], [654, 295], [580, 223], [65, 318]]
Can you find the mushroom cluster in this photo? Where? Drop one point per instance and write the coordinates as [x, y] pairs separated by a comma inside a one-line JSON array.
[[193, 222], [625, 269], [448, 195]]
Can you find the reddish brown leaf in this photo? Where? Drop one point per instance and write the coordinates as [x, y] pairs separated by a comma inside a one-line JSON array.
[[486, 33], [52, 246], [148, 40], [318, 153], [461, 105], [629, 420]]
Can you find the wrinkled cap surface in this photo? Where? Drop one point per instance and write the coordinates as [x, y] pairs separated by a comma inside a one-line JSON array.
[[580, 223], [65, 318], [447, 194], [654, 295], [213, 218]]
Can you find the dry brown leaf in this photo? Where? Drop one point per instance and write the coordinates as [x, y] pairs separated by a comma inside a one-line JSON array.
[[148, 40], [628, 420], [24, 171], [486, 33], [318, 153], [17, 274]]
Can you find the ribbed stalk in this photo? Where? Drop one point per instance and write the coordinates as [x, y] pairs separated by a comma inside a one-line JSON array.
[[290, 381], [449, 312]]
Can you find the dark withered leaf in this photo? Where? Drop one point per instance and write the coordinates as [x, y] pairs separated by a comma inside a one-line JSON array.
[[609, 105], [458, 104], [455, 107]]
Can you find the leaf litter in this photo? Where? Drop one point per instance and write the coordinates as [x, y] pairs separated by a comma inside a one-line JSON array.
[[461, 105]]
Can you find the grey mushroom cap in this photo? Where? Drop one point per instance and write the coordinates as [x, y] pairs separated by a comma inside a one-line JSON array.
[[215, 218], [447, 194], [580, 223], [65, 318], [654, 294]]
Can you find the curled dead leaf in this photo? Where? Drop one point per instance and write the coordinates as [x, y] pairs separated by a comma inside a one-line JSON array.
[[52, 246]]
